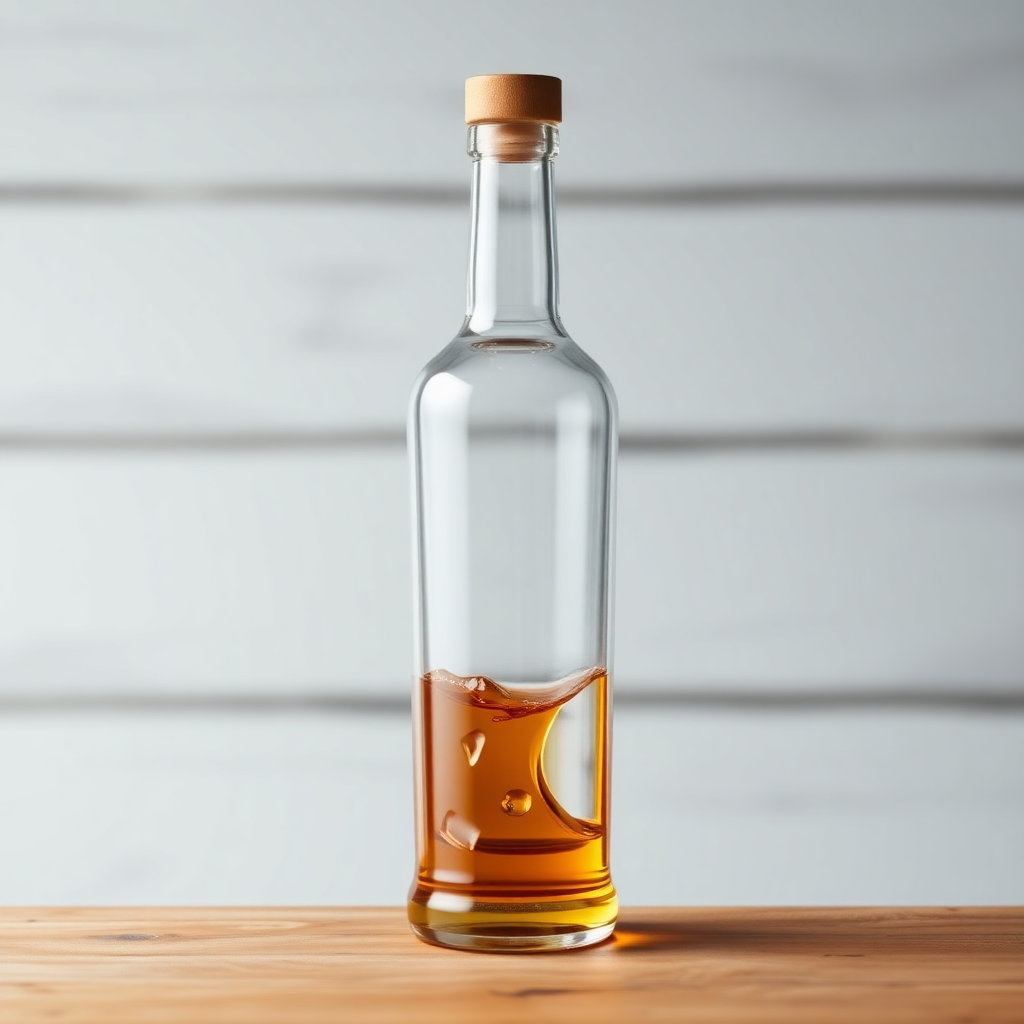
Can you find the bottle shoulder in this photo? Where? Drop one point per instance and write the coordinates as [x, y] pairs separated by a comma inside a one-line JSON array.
[[499, 373]]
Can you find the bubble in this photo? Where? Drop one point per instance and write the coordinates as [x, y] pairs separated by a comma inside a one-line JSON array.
[[473, 743], [458, 831], [516, 802]]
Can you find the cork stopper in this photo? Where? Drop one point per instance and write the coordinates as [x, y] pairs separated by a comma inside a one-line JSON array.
[[535, 99]]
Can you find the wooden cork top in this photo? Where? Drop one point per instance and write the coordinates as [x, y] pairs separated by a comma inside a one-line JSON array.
[[535, 99]]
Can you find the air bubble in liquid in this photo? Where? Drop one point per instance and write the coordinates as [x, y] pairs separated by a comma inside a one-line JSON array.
[[473, 744], [458, 831], [516, 802]]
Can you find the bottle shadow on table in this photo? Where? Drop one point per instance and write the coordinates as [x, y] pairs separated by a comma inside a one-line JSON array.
[[639, 932]]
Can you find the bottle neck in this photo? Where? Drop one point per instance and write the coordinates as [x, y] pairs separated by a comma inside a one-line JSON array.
[[513, 259]]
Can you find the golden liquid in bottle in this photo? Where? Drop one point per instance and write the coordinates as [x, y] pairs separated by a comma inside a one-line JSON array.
[[502, 863]]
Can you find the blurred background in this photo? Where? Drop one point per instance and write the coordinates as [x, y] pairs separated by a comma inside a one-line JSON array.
[[231, 233]]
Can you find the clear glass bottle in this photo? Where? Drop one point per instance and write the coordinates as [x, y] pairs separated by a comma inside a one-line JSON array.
[[513, 441]]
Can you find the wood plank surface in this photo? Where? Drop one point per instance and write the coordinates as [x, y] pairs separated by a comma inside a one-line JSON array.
[[243, 805], [666, 964], [289, 573], [218, 89], [289, 321]]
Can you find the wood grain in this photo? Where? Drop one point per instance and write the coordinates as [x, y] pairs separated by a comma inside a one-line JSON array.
[[665, 964]]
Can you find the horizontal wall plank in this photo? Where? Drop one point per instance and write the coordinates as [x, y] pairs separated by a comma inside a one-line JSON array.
[[708, 808], [372, 92], [195, 321], [288, 574], [897, 571]]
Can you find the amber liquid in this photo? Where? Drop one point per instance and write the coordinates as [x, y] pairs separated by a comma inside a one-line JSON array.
[[502, 863]]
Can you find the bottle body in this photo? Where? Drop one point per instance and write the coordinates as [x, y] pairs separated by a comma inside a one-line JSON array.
[[513, 443]]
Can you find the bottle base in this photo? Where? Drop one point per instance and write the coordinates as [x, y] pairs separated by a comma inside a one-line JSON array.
[[518, 926], [498, 940]]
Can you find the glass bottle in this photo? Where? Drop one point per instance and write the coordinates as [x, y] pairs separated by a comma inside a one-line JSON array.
[[513, 441]]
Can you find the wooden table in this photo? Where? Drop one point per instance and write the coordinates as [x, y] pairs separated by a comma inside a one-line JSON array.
[[362, 964]]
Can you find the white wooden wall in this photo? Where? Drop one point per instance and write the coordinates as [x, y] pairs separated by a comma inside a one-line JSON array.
[[232, 232]]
